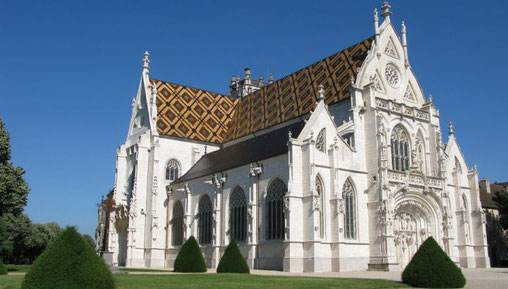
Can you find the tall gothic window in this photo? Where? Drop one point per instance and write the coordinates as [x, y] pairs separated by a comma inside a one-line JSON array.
[[400, 149], [321, 141], [205, 220], [348, 194], [172, 170], [274, 209], [320, 200], [177, 224], [238, 215]]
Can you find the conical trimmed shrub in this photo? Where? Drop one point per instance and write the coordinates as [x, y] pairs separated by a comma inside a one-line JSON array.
[[430, 267], [232, 261], [3, 268], [190, 258], [68, 263]]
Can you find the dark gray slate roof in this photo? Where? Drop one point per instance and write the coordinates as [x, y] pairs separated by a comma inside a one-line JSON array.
[[261, 147]]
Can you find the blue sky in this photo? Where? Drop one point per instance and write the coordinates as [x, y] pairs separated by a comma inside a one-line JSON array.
[[71, 68]]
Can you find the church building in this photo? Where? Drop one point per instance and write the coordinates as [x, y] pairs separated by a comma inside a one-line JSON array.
[[338, 166]]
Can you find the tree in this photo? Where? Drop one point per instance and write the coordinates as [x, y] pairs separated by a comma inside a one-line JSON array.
[[89, 240], [190, 258], [501, 199], [70, 263], [15, 230], [430, 267], [3, 268], [13, 188], [233, 261]]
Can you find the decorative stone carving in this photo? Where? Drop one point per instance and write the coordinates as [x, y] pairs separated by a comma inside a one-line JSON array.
[[376, 83], [321, 140], [340, 206], [154, 186], [390, 50], [408, 94], [316, 204], [392, 75], [286, 202]]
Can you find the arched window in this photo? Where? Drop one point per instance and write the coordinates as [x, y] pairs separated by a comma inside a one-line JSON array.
[[205, 220], [348, 194], [238, 215], [274, 210], [320, 199], [400, 149], [458, 167], [177, 224], [321, 141], [172, 170]]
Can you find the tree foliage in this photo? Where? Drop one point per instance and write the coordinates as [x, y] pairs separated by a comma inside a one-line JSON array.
[[15, 230], [70, 263], [190, 258], [89, 240], [13, 188], [430, 267], [3, 268], [501, 199], [233, 261]]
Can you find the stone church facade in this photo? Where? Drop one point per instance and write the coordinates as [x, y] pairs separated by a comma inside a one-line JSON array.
[[338, 166]]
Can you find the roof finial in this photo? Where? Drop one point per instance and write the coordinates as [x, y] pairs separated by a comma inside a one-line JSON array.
[[146, 60], [376, 18], [450, 128], [270, 79], [404, 43], [321, 91], [386, 10], [431, 97]]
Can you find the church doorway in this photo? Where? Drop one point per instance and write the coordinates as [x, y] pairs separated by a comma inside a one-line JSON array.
[[121, 229], [412, 226]]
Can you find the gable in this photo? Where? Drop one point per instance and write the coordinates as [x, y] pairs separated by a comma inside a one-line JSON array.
[[192, 113]]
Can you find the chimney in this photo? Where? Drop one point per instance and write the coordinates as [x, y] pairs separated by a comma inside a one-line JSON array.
[[485, 184]]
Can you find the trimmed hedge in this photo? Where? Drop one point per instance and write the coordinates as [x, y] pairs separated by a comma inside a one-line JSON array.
[[232, 261], [430, 267], [190, 258], [70, 263], [3, 268]]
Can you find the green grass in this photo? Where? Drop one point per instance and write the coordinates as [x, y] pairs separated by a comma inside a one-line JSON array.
[[18, 268], [225, 281]]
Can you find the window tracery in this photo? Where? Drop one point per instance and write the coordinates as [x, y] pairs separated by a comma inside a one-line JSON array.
[[205, 220], [392, 75], [172, 170], [408, 94], [390, 49], [321, 141], [274, 210], [348, 194], [177, 224], [400, 149], [238, 215], [320, 199]]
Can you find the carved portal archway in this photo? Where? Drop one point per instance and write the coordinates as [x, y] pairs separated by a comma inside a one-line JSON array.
[[414, 222]]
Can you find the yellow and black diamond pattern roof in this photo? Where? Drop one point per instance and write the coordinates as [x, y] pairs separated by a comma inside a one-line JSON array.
[[192, 113], [207, 116], [295, 94]]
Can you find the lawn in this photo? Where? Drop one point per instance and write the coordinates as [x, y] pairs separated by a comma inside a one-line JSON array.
[[224, 281]]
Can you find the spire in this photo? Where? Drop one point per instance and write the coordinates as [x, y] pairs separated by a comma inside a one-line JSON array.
[[450, 128], [146, 60], [376, 31], [386, 11], [321, 91]]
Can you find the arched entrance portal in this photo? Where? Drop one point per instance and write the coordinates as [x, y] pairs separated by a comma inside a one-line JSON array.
[[121, 229], [414, 222]]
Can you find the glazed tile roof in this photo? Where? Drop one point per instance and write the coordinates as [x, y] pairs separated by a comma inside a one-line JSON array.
[[192, 113], [207, 116], [295, 94]]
